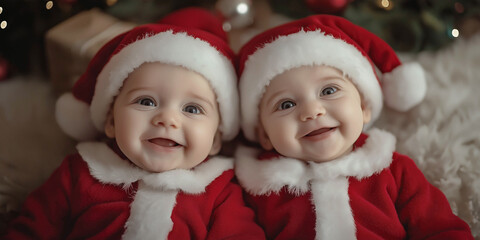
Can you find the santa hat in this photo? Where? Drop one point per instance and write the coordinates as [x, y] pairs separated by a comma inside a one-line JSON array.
[[331, 41], [192, 38]]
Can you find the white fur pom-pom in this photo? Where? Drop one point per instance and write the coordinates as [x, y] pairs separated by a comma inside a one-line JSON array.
[[73, 117], [404, 87]]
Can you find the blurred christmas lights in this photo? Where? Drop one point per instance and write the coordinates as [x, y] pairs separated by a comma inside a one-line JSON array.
[[49, 5], [237, 13], [242, 8], [386, 4], [3, 24], [455, 33]]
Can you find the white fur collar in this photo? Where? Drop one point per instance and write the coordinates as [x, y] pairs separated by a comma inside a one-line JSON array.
[[261, 177], [155, 199], [106, 166]]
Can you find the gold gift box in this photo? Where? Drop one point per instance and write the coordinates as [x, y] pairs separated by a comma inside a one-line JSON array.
[[71, 44]]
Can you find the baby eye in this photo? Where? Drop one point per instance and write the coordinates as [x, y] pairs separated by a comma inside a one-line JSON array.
[[146, 102], [193, 109], [286, 105], [328, 91]]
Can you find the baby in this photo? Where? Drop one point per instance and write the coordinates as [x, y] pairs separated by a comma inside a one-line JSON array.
[[164, 95], [308, 90]]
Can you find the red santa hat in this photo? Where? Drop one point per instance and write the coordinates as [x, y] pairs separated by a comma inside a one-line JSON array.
[[331, 41], [192, 38]]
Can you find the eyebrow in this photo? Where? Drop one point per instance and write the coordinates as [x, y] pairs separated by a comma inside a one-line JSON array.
[[202, 99], [330, 77], [134, 90], [343, 78], [190, 93], [271, 98]]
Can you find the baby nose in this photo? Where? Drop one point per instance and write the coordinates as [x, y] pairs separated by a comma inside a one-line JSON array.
[[311, 110], [166, 118]]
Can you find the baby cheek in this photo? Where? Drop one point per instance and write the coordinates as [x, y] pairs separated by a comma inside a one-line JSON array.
[[281, 136], [201, 136]]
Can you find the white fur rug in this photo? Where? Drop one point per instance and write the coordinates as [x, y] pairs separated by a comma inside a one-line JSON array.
[[442, 134]]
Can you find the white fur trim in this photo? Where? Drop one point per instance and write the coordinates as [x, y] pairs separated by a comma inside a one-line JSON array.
[[150, 214], [106, 166], [266, 176], [260, 177], [73, 117], [332, 209], [374, 156], [151, 210], [177, 49], [193, 182], [404, 87], [327, 181], [303, 49]]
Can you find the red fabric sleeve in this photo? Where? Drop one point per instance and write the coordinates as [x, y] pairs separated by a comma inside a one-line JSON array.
[[218, 213], [46, 209], [422, 208], [71, 204], [231, 218]]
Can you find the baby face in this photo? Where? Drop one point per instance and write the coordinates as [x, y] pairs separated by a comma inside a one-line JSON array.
[[312, 113], [165, 117]]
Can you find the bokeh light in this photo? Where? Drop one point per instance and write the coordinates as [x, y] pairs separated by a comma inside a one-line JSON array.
[[49, 5], [242, 8], [3, 24]]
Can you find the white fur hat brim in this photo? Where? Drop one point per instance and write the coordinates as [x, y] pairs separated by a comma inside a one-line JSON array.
[[304, 48], [176, 48], [172, 48]]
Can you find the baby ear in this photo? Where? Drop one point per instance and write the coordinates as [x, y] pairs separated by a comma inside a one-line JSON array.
[[110, 125], [263, 138], [367, 113], [217, 143]]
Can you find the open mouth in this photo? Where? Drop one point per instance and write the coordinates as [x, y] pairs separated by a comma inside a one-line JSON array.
[[319, 132], [163, 142]]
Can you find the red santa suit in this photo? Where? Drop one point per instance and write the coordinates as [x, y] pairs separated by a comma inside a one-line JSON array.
[[96, 194], [372, 193]]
